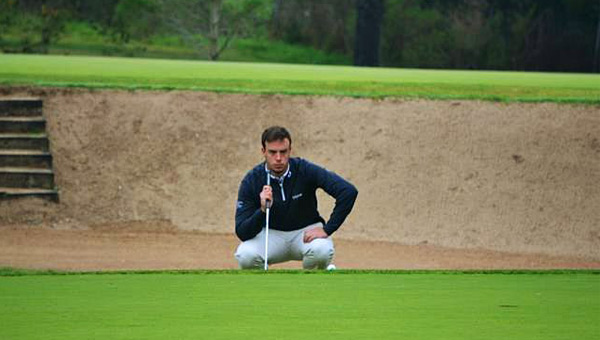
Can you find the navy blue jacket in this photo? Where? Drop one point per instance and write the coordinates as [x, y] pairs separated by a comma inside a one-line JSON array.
[[294, 202]]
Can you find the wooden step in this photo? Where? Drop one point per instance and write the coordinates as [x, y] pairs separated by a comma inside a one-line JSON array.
[[10, 193], [19, 177], [20, 107], [27, 152], [24, 141], [35, 124], [25, 158]]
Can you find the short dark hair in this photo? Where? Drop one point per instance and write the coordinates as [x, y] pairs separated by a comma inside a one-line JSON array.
[[275, 133]]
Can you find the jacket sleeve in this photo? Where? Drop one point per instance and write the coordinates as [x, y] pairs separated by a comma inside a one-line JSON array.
[[248, 216], [341, 190]]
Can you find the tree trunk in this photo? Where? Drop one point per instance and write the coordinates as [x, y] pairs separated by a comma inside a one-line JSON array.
[[275, 25], [368, 32], [214, 29], [597, 49]]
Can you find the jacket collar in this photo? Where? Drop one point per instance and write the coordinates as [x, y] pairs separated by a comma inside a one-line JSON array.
[[286, 174]]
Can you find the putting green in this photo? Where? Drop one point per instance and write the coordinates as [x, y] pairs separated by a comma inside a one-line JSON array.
[[299, 306]]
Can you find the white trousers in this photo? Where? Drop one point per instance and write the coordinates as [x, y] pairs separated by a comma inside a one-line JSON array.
[[286, 246]]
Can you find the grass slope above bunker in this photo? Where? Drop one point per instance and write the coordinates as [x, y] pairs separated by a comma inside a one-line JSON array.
[[266, 78]]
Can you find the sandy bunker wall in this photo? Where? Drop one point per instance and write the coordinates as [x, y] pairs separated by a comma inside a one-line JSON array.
[[510, 177]]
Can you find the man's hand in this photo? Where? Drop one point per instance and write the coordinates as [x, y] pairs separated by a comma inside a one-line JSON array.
[[314, 233], [265, 194]]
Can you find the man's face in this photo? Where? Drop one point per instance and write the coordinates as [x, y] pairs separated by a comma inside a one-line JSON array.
[[277, 155]]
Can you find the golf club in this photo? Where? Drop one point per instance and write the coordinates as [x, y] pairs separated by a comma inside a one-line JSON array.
[[268, 209]]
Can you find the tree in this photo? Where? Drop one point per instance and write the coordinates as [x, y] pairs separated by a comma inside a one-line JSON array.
[[7, 9], [135, 19], [39, 23], [210, 25], [597, 48], [414, 35], [54, 15], [97, 13], [368, 31], [324, 25]]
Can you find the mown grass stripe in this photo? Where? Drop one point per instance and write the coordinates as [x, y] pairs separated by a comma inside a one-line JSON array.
[[255, 78], [399, 93], [32, 272], [166, 306]]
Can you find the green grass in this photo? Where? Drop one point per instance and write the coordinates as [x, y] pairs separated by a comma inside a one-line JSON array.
[[339, 305], [262, 50], [80, 38], [267, 78], [241, 50]]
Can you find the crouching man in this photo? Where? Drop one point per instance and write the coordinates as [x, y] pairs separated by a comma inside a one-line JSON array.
[[296, 230]]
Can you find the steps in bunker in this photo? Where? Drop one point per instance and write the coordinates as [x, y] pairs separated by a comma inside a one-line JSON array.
[[25, 157]]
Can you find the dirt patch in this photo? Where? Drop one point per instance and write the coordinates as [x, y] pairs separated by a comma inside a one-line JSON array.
[[508, 178], [156, 245]]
